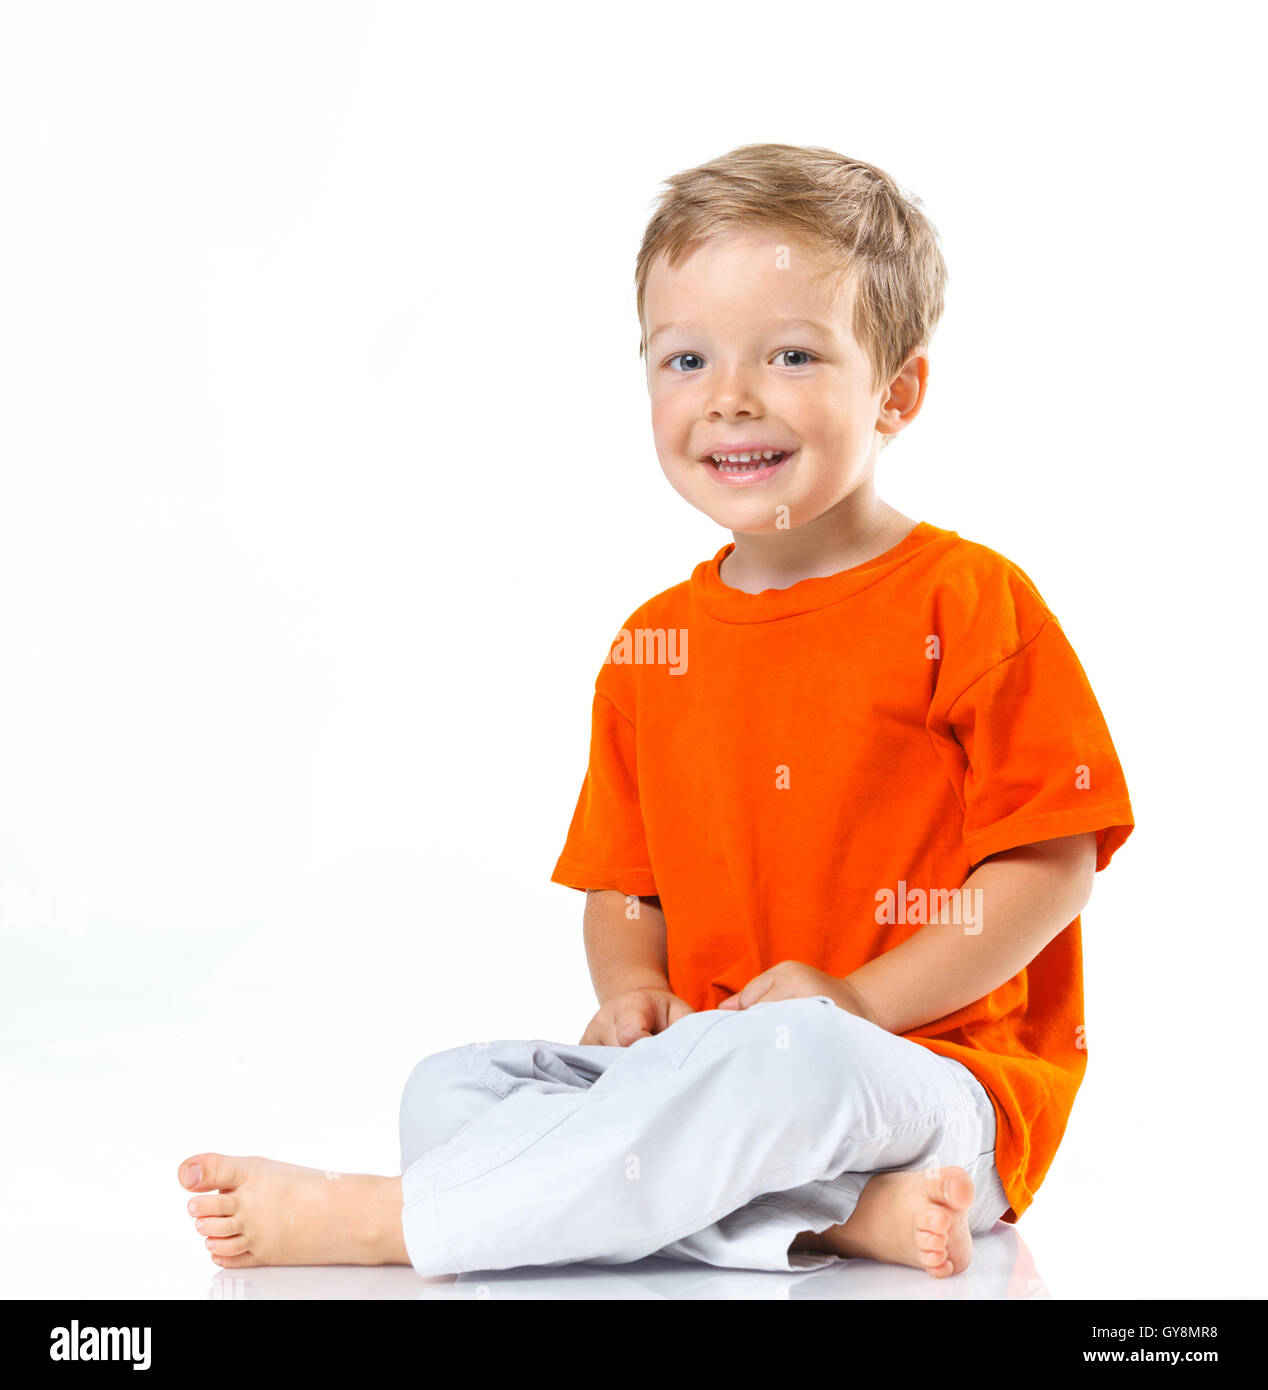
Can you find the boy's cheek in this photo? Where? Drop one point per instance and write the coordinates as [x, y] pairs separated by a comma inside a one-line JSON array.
[[671, 421]]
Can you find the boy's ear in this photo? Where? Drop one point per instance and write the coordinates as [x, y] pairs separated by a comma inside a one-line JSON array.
[[906, 394]]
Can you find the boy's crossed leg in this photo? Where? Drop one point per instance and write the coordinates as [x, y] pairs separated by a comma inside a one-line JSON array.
[[754, 1140]]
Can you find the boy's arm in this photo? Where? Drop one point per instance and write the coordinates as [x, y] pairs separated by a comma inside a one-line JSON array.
[[1029, 895], [624, 952]]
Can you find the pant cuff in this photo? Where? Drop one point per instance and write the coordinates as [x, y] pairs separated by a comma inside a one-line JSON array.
[[426, 1247], [758, 1234]]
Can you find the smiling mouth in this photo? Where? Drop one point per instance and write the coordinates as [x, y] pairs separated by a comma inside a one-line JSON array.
[[747, 462]]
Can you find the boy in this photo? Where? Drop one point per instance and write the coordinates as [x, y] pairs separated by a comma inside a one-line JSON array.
[[848, 788]]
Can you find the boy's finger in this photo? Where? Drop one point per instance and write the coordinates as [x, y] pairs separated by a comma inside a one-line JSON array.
[[596, 1035], [679, 1008], [761, 988], [635, 1021], [757, 988]]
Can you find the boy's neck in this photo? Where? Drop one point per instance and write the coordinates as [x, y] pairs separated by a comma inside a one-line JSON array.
[[858, 529]]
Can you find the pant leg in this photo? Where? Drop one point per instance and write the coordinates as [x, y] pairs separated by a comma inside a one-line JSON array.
[[957, 1127], [449, 1089], [617, 1153]]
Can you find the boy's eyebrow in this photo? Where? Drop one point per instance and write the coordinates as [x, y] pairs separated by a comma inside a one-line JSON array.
[[775, 323]]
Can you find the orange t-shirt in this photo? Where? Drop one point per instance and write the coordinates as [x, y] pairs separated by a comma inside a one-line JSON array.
[[795, 772]]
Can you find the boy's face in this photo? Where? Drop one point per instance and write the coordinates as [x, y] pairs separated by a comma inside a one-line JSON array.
[[732, 360]]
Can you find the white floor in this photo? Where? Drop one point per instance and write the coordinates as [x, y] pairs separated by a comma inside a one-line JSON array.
[[1002, 1268], [121, 1056]]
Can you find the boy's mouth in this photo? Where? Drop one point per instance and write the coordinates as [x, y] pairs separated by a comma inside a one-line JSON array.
[[748, 466]]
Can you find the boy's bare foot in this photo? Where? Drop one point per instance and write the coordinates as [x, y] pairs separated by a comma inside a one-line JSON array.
[[910, 1218], [261, 1212]]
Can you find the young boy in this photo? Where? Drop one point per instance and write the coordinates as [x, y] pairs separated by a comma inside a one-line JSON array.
[[848, 788]]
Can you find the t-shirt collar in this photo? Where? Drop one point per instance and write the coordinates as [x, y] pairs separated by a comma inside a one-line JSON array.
[[731, 605]]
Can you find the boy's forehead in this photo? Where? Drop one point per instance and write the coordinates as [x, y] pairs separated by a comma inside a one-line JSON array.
[[751, 274]]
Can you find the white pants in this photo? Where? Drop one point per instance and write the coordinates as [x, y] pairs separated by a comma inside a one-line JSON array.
[[718, 1140]]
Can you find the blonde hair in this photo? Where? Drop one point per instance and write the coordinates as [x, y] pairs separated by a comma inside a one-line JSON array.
[[870, 234]]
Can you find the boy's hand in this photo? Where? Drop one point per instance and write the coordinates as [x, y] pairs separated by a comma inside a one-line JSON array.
[[794, 979], [638, 1013]]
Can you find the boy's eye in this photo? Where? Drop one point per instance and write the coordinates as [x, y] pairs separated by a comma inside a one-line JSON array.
[[695, 357], [678, 356]]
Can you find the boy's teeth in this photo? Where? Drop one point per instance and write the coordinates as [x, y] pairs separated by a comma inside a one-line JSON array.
[[738, 463]]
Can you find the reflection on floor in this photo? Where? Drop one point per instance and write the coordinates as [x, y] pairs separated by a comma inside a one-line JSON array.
[[1002, 1268]]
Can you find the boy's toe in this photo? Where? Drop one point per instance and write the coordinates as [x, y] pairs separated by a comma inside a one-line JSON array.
[[211, 1171], [949, 1187], [222, 1246], [957, 1189], [934, 1219], [218, 1226], [213, 1204], [234, 1261]]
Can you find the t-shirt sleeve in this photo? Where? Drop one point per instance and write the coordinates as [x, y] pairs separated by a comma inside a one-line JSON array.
[[606, 846], [1038, 761]]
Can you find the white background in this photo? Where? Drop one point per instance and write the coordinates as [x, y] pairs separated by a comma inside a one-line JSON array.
[[327, 477]]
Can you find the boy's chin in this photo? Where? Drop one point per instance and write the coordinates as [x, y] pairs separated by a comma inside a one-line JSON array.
[[750, 508]]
